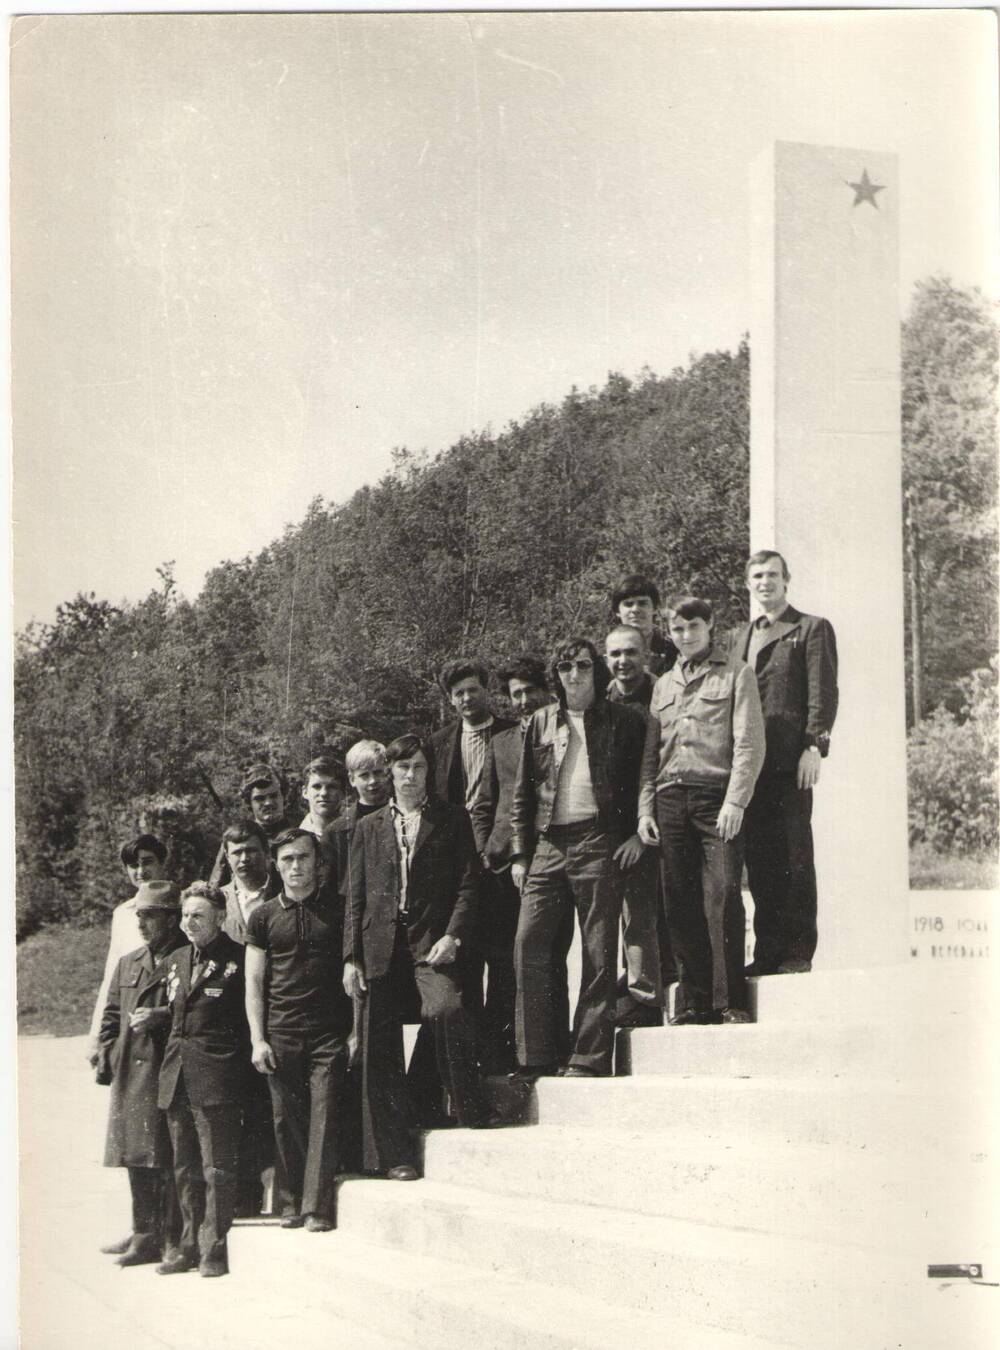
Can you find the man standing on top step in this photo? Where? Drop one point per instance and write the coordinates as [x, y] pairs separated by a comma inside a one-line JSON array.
[[794, 657]]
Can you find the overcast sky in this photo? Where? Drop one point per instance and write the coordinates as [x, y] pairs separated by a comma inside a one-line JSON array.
[[253, 254]]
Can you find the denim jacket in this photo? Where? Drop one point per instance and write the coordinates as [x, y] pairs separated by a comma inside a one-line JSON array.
[[615, 734], [705, 730]]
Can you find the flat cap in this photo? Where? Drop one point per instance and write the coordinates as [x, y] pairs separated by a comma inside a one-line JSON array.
[[158, 895], [259, 775]]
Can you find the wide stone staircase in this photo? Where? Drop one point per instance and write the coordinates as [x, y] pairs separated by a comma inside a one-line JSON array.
[[785, 1183]]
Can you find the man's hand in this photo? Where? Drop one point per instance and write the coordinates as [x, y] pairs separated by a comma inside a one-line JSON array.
[[629, 853], [144, 1019], [519, 875], [807, 775], [730, 822], [92, 1045], [647, 831], [443, 952], [263, 1057], [354, 980]]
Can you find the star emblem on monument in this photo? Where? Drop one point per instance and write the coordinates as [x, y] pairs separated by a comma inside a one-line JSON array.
[[864, 191]]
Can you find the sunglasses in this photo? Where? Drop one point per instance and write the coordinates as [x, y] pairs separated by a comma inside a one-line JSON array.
[[564, 667]]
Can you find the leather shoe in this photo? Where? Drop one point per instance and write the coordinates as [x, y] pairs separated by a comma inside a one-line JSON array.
[[177, 1263], [142, 1253], [691, 1017], [528, 1075], [404, 1172], [579, 1071], [292, 1220], [795, 968], [316, 1223], [494, 1121], [735, 1016], [211, 1269], [118, 1248], [636, 1014]]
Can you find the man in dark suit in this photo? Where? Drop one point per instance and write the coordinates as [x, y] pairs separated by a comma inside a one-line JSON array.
[[413, 892], [794, 657], [525, 684], [133, 1031], [203, 1078], [368, 775], [459, 751]]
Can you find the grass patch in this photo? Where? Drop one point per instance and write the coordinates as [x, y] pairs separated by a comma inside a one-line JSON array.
[[58, 974], [933, 871]]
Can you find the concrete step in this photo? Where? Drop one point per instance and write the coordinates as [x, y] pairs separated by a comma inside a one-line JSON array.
[[467, 1299], [790, 1190], [715, 1278], [847, 1113], [895, 1053], [904, 993]]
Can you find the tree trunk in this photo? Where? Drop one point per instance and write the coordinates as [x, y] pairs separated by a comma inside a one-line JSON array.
[[916, 611]]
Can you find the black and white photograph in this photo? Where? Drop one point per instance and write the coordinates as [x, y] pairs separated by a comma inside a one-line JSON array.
[[504, 652]]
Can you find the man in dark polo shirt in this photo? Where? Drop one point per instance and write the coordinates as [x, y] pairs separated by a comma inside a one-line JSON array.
[[300, 1022]]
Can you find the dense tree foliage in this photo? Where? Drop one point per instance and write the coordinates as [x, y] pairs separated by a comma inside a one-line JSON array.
[[950, 343], [144, 714], [147, 712]]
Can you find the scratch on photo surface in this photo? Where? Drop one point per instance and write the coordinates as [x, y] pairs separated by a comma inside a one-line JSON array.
[[520, 61]]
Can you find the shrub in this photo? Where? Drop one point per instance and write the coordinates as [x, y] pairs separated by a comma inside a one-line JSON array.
[[952, 771]]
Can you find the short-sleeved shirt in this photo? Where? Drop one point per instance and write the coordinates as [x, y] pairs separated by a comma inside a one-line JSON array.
[[305, 944]]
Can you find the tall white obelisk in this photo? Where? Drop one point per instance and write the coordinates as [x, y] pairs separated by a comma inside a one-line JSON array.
[[825, 490]]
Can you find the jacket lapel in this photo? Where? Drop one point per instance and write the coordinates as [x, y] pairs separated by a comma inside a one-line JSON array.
[[428, 820], [780, 629]]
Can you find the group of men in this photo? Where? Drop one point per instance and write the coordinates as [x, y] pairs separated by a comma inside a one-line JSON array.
[[256, 1019]]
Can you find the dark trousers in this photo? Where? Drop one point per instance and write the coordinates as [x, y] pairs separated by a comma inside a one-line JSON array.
[[256, 1151], [572, 870], [704, 904], [307, 1099], [490, 952], [205, 1141], [781, 872], [408, 992], [641, 923], [155, 1212]]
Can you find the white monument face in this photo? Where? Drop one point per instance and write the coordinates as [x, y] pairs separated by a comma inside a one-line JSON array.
[[825, 491]]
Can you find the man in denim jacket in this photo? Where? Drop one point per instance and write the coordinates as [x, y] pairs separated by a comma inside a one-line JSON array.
[[704, 750]]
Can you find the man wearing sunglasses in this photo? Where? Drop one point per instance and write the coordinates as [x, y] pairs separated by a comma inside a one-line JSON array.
[[573, 824]]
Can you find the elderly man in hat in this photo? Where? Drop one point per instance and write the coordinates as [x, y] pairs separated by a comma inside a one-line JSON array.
[[263, 791], [144, 858], [133, 1032], [203, 1080]]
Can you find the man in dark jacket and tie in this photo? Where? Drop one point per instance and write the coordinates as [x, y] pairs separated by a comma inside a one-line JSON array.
[[459, 752], [132, 1035], [413, 890], [203, 1079], [794, 657]]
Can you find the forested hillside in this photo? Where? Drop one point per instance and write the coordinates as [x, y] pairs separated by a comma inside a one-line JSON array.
[[501, 542]]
